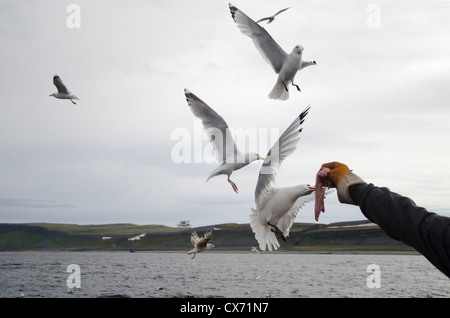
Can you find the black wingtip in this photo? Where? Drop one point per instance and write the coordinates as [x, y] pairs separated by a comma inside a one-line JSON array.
[[188, 95], [304, 113], [233, 10], [192, 98]]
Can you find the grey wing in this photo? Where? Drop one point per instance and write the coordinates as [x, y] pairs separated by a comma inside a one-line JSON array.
[[194, 238], [265, 44], [208, 235], [263, 19], [60, 85], [286, 221], [285, 145], [201, 243], [282, 10], [215, 127], [306, 64]]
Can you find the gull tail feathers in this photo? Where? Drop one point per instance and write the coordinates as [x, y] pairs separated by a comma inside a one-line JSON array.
[[263, 233], [279, 92]]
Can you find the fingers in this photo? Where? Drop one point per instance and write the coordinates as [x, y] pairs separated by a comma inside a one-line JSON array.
[[332, 165], [322, 177], [337, 171]]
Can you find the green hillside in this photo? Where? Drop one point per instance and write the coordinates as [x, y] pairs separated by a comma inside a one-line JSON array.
[[308, 237]]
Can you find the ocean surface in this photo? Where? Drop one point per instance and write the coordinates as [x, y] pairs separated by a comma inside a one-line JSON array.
[[215, 274]]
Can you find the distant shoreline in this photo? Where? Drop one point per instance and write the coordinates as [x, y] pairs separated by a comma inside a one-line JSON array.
[[230, 251], [353, 237]]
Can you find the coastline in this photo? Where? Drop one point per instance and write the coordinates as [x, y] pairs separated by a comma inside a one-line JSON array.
[[354, 237], [229, 251]]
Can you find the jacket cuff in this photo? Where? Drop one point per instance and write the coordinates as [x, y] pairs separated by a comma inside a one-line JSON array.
[[344, 184]]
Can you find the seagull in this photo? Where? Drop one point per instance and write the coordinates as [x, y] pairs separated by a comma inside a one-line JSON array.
[[200, 243], [137, 238], [285, 65], [271, 18], [220, 136], [63, 92], [276, 208], [184, 223]]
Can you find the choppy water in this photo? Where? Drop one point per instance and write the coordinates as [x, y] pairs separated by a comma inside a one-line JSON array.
[[213, 274]]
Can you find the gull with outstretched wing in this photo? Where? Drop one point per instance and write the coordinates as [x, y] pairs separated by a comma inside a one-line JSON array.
[[285, 65], [276, 208], [63, 92], [226, 151], [200, 243], [271, 18]]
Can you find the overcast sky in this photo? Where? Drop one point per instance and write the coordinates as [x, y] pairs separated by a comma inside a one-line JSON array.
[[379, 96]]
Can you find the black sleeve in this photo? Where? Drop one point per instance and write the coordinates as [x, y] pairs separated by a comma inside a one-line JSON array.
[[402, 220]]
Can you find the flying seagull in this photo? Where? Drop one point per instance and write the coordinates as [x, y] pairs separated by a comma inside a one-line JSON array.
[[63, 92], [276, 208], [271, 18], [137, 237], [285, 65], [200, 243], [220, 136]]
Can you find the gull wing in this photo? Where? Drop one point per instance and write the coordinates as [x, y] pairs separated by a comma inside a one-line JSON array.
[[271, 18], [208, 235], [282, 10], [60, 85], [284, 224], [194, 238], [306, 64], [201, 243], [265, 44], [264, 19], [285, 145], [215, 127]]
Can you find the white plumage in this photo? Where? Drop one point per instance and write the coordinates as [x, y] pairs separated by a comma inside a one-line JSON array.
[[63, 92], [276, 208], [285, 65], [220, 136], [200, 243], [271, 18]]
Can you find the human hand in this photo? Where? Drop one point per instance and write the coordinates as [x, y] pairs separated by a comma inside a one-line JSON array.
[[334, 175], [327, 177], [336, 171]]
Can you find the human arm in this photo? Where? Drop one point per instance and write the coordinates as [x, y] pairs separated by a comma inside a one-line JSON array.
[[398, 216]]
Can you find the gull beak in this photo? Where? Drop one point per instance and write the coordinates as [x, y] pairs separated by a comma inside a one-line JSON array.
[[262, 158], [311, 189]]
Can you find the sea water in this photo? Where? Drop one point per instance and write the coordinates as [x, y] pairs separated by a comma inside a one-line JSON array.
[[216, 274]]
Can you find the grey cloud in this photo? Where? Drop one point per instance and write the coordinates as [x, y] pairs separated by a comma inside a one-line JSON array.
[[33, 203]]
